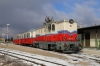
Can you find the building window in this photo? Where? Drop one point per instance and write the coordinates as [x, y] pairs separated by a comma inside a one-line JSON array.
[[53, 27]]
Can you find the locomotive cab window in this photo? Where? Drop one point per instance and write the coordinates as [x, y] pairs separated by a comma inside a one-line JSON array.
[[53, 27], [49, 27]]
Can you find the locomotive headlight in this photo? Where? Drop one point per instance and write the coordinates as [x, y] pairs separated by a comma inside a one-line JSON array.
[[64, 44], [71, 21]]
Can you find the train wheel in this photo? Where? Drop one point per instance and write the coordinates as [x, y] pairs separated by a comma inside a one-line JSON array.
[[54, 48], [37, 46]]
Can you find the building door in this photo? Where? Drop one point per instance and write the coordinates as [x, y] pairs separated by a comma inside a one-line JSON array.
[[87, 39]]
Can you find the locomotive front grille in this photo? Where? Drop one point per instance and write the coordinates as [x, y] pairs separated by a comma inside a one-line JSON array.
[[72, 45]]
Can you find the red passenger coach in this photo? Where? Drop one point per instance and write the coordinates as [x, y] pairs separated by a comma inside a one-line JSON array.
[[16, 39], [19, 41], [27, 38], [30, 41]]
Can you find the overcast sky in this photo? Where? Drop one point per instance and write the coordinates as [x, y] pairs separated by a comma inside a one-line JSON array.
[[23, 15]]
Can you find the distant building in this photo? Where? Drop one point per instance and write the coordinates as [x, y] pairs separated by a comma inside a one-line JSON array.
[[2, 40], [90, 36]]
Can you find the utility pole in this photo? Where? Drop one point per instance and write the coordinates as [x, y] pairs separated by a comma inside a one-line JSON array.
[[7, 31]]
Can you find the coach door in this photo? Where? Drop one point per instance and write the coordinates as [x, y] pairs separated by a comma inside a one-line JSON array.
[[87, 39]]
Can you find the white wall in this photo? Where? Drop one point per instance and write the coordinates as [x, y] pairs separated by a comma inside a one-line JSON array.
[[92, 38], [70, 27], [59, 26]]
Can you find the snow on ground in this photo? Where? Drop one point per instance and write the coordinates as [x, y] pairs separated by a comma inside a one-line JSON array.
[[64, 62], [86, 60], [71, 61]]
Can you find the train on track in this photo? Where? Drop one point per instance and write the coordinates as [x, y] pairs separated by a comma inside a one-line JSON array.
[[53, 35]]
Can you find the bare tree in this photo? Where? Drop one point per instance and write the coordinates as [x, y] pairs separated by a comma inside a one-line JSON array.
[[48, 19]]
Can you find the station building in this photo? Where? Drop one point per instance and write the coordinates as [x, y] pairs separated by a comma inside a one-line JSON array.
[[90, 36]]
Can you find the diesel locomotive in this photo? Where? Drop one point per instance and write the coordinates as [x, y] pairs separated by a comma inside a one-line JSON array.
[[53, 35]]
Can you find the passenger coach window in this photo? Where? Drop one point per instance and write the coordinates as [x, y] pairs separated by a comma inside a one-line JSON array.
[[53, 27], [24, 36], [31, 34], [27, 35]]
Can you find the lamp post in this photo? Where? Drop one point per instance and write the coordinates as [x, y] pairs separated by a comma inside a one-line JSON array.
[[7, 31]]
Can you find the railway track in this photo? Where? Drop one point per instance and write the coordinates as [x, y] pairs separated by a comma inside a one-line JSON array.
[[87, 56], [29, 58], [82, 57], [93, 60]]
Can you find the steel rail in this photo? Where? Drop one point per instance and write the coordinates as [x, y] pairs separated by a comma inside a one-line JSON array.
[[8, 53]]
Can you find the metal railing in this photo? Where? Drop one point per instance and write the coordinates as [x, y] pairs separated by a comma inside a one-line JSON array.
[[88, 24]]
